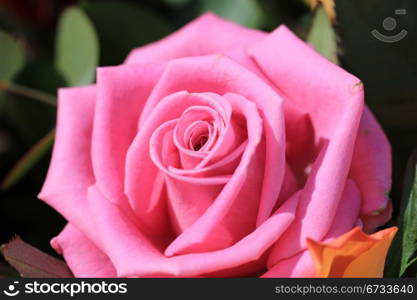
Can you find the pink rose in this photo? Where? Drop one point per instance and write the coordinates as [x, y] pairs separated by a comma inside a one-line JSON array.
[[214, 152]]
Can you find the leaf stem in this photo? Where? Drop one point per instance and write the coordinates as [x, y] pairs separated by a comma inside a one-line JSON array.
[[27, 92]]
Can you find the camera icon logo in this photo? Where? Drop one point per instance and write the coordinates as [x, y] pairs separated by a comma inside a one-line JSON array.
[[390, 24], [11, 290]]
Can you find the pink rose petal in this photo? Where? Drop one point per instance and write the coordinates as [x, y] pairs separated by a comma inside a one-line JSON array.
[[82, 256], [334, 101]]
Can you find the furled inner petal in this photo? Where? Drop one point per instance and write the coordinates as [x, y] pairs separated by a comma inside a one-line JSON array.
[[198, 152], [198, 135], [149, 191], [195, 133], [233, 180], [246, 195], [188, 197], [192, 127]]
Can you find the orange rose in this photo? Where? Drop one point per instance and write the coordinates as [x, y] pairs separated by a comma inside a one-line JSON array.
[[353, 254]]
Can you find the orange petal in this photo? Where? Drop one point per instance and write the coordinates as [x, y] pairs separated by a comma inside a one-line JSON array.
[[353, 254]]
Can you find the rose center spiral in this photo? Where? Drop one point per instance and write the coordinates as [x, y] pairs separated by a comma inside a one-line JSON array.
[[200, 141]]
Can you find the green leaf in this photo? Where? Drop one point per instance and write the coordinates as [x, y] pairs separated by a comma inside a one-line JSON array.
[[25, 164], [130, 25], [12, 56], [322, 35], [396, 251], [244, 12], [409, 226], [77, 47], [30, 262]]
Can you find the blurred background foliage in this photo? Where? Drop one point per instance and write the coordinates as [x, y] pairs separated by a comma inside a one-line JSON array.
[[46, 44]]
